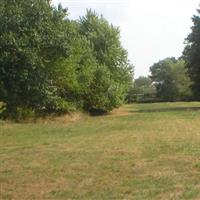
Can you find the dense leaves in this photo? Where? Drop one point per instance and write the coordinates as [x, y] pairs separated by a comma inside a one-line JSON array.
[[192, 55], [171, 80], [113, 76], [29, 42], [50, 63], [142, 90]]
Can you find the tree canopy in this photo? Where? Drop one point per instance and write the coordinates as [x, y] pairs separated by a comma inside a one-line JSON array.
[[142, 89], [192, 55], [171, 80], [51, 63]]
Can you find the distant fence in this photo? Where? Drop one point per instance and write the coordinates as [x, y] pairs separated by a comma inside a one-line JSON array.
[[142, 98], [153, 98]]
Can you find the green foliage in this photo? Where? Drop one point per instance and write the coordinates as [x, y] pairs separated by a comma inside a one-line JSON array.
[[73, 75], [142, 89], [113, 74], [171, 80], [2, 107], [104, 93], [53, 64], [182, 80], [192, 55], [29, 41]]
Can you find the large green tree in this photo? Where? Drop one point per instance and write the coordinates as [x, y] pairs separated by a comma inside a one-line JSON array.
[[50, 63], [32, 36], [74, 74], [192, 55], [171, 80], [113, 66]]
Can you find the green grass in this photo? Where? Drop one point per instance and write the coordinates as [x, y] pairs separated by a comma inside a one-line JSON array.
[[143, 151]]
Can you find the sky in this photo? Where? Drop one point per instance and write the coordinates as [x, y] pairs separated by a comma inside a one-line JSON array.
[[151, 30]]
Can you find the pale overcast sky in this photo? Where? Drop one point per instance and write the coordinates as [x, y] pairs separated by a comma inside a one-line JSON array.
[[151, 30]]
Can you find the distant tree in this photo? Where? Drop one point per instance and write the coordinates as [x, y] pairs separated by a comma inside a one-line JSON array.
[[170, 78], [192, 55], [141, 86], [182, 80], [161, 75]]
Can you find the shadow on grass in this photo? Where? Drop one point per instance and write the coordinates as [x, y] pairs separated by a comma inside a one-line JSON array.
[[170, 109]]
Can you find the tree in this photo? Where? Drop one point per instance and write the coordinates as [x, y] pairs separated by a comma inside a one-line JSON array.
[[161, 75], [74, 74], [182, 80], [112, 63], [32, 36], [170, 78], [192, 55], [141, 86], [49, 63]]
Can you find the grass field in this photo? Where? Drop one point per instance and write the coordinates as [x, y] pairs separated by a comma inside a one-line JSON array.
[[141, 151]]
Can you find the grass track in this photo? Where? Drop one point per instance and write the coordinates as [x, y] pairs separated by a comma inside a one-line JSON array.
[[142, 151]]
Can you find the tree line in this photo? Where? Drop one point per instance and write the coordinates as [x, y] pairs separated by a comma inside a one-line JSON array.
[[50, 63], [173, 79]]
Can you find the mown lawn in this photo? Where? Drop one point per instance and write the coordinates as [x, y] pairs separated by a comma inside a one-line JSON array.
[[142, 151]]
